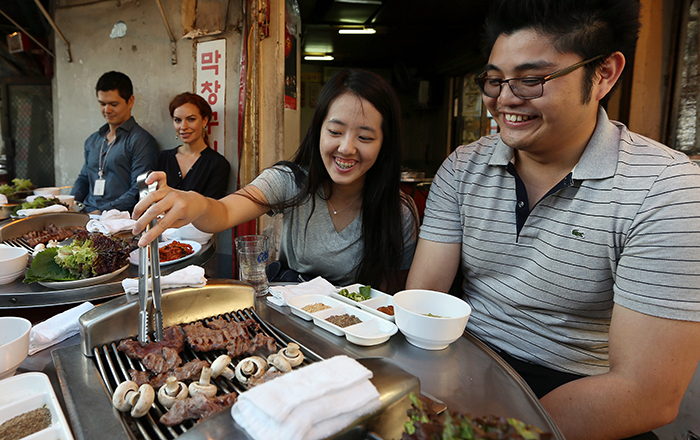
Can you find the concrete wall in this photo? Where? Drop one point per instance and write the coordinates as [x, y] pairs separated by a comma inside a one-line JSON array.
[[144, 54]]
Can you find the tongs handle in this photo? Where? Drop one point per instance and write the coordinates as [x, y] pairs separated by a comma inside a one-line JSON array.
[[144, 266], [155, 275]]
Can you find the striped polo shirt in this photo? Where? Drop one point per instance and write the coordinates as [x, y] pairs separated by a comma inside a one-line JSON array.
[[623, 227]]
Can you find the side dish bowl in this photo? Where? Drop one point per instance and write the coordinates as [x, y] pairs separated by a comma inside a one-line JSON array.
[[430, 320], [14, 344], [13, 261], [47, 191]]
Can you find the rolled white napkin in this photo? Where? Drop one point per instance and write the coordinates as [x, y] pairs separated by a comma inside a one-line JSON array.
[[57, 328], [281, 294], [3, 199], [110, 222], [190, 276], [312, 402], [48, 209]]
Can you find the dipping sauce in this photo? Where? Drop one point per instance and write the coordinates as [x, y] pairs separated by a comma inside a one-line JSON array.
[[315, 307], [343, 320], [389, 310]]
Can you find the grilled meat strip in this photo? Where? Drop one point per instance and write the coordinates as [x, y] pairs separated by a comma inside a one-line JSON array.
[[188, 372], [162, 362], [173, 338], [197, 407], [232, 336], [52, 232]]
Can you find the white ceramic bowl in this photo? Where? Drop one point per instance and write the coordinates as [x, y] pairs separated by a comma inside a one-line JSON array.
[[411, 309], [13, 260], [47, 191], [14, 344]]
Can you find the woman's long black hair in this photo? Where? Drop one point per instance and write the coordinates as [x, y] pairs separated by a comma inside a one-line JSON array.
[[382, 199]]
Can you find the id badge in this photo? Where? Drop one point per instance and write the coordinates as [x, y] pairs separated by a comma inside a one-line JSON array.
[[99, 187]]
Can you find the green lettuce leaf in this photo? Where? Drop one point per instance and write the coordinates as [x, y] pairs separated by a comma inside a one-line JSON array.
[[45, 268]]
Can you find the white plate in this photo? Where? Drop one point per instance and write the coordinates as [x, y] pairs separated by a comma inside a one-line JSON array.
[[82, 283], [377, 299], [196, 247], [28, 391]]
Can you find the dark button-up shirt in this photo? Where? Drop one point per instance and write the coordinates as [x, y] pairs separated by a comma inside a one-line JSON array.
[[133, 152]]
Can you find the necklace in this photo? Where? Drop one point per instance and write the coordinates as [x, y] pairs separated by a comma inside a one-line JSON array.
[[335, 212]]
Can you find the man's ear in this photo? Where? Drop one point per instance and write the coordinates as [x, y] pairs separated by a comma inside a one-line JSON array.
[[608, 74], [130, 102]]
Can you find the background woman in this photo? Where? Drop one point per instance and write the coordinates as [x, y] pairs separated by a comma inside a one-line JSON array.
[[194, 166], [345, 217]]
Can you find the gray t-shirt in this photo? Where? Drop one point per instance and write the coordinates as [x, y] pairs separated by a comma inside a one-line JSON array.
[[315, 248]]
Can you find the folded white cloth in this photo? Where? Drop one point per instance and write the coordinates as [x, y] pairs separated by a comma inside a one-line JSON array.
[[110, 222], [313, 402], [190, 276], [31, 212], [281, 294], [187, 232], [57, 328], [3, 199]]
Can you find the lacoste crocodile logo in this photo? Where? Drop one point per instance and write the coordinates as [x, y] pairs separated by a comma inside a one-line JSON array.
[[577, 233]]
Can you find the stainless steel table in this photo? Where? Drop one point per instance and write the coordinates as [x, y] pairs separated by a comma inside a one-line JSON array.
[[467, 376]]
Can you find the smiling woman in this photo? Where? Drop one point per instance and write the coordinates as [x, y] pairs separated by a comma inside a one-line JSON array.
[[194, 166], [345, 218]]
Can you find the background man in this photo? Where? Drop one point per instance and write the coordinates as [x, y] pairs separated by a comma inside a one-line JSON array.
[[117, 153], [578, 240]]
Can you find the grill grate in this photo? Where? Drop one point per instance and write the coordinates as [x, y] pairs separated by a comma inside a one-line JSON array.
[[18, 243], [114, 367]]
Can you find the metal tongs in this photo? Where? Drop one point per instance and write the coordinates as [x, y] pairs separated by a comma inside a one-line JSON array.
[[144, 266]]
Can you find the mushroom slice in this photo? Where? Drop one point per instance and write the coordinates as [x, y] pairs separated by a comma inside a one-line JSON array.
[[253, 366], [293, 354], [172, 391], [142, 401], [220, 367], [121, 399], [203, 386], [277, 362]]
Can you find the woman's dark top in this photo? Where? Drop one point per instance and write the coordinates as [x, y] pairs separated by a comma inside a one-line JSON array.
[[208, 176]]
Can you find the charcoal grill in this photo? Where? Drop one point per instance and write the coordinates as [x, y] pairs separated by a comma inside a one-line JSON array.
[[88, 383]]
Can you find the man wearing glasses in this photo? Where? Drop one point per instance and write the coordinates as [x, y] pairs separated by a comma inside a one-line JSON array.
[[578, 240]]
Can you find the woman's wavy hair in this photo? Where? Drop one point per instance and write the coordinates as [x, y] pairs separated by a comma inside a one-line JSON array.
[[382, 198], [197, 101]]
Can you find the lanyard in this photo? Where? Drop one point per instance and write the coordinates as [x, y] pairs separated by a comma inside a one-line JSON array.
[[100, 163]]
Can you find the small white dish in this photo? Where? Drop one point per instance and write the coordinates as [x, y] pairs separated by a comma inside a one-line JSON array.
[[370, 331], [29, 391], [355, 288], [376, 299], [196, 247], [298, 303]]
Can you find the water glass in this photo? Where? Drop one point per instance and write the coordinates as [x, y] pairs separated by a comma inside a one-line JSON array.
[[252, 254]]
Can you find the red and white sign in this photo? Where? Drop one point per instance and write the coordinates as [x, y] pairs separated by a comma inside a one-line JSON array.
[[211, 85]]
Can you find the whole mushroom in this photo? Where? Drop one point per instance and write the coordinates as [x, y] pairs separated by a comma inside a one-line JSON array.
[[277, 362], [250, 367], [293, 355], [220, 367], [128, 397], [172, 391], [203, 386]]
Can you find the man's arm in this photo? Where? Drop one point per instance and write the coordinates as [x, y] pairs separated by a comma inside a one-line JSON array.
[[434, 265], [81, 187], [652, 361]]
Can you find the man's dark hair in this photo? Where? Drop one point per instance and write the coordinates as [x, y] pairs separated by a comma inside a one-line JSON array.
[[586, 27], [115, 81]]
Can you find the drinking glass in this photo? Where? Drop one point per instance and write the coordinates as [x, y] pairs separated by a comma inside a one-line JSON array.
[[252, 253]]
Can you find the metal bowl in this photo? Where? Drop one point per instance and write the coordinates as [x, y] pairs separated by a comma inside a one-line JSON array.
[[6, 210]]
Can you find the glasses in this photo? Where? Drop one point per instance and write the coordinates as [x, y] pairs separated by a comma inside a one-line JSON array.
[[530, 87]]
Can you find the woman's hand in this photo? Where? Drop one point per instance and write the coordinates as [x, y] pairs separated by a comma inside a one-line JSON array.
[[178, 208]]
